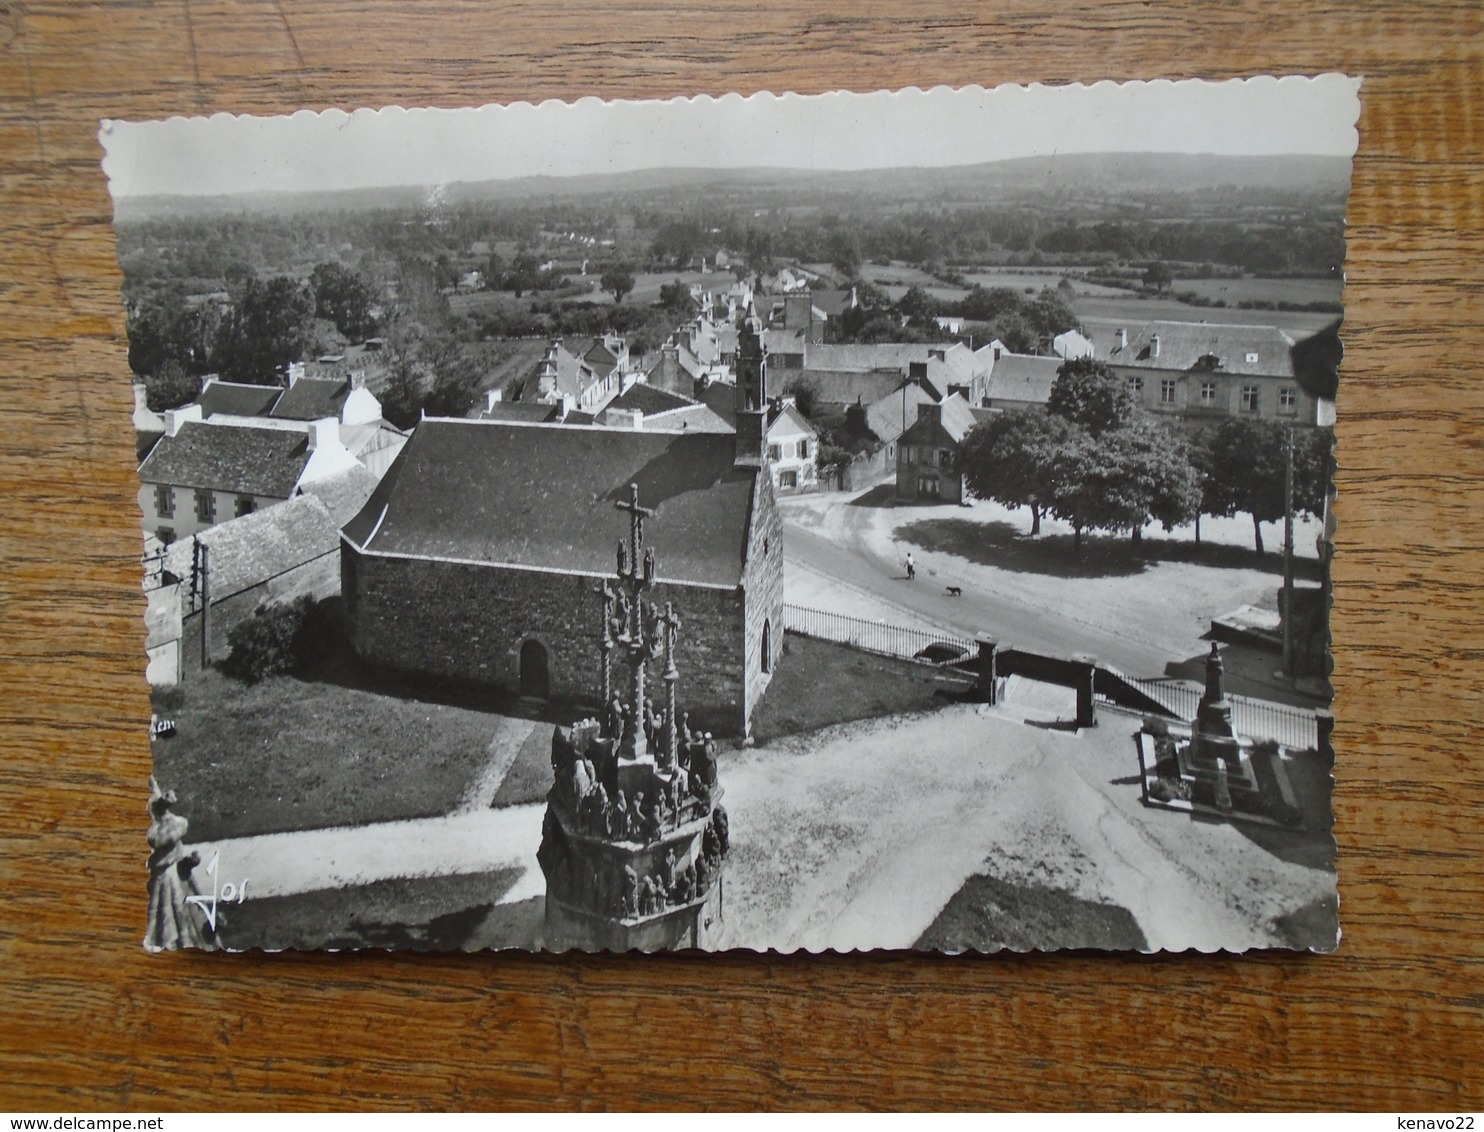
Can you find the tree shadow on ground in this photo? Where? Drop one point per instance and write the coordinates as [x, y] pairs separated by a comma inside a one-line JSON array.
[[882, 495], [441, 913], [990, 914], [1002, 545]]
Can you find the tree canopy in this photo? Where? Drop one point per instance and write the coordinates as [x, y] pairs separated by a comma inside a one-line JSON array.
[[1012, 459], [1244, 465], [618, 281], [1090, 395]]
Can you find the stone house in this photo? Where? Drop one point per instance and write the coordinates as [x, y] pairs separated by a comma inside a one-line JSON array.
[[925, 452], [200, 473], [1198, 372]]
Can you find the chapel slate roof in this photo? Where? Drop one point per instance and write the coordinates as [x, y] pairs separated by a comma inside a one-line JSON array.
[[311, 399], [228, 457], [542, 496], [238, 400]]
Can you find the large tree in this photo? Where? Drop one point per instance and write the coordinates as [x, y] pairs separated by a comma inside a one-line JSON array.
[[1245, 462], [1124, 478], [1090, 395], [344, 298], [270, 327], [1012, 459], [618, 281]]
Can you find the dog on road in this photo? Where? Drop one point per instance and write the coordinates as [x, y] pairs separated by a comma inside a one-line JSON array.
[[956, 591]]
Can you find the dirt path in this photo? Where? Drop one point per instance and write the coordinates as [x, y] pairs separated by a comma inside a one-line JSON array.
[[510, 735], [857, 837], [282, 864]]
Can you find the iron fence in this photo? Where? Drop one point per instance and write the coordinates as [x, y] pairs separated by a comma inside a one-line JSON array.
[[1294, 727], [875, 636]]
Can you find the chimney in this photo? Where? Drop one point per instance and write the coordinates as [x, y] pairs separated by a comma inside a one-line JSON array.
[[568, 406], [296, 371], [141, 397], [492, 397], [937, 355], [1154, 345], [1122, 335], [324, 434], [917, 372], [356, 379], [174, 418]]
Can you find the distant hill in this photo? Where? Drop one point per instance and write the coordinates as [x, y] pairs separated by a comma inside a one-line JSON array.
[[1075, 172]]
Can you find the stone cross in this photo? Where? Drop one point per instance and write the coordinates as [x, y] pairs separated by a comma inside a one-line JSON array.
[[636, 574]]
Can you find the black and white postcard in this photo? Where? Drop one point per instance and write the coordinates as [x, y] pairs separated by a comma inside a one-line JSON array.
[[892, 520]]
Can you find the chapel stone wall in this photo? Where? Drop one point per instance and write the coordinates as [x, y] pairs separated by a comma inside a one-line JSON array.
[[467, 623]]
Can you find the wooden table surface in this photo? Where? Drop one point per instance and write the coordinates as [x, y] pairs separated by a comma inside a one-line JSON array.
[[88, 1021]]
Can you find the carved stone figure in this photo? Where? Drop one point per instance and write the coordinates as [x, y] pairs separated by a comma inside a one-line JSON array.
[[722, 826], [173, 921], [636, 816], [630, 892], [619, 826]]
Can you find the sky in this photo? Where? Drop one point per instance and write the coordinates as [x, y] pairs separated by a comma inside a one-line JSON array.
[[310, 151]]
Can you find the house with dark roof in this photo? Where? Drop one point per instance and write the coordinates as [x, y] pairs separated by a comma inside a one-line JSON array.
[[1022, 381], [202, 472], [267, 557], [926, 450], [567, 378], [1198, 372], [478, 556], [344, 399]]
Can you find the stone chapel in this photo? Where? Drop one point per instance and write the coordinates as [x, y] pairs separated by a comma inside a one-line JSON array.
[[479, 557]]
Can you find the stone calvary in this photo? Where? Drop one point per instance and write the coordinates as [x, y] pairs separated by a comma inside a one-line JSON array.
[[635, 833]]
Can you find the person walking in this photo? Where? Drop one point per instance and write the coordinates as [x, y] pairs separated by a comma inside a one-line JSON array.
[[911, 567]]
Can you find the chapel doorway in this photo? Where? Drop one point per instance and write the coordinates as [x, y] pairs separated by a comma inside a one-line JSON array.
[[535, 673]]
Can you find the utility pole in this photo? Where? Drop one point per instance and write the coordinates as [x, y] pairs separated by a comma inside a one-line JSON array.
[[1288, 611]]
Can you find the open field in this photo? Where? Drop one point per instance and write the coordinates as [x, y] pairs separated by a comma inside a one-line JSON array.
[[1234, 291], [1135, 310]]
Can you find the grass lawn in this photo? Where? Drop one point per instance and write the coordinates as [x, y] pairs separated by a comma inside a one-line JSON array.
[[289, 754], [989, 914], [820, 683]]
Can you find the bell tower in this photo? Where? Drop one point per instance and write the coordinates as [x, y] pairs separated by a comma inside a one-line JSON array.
[[751, 403]]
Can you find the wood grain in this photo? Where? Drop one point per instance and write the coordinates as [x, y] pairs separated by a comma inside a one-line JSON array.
[[88, 1021]]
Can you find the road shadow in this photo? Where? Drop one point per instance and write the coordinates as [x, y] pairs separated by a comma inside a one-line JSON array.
[[1002, 545]]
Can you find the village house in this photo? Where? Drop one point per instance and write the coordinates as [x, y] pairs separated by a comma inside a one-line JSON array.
[[267, 557], [1198, 371], [202, 472], [588, 379], [478, 556], [1022, 381], [793, 449], [363, 431], [925, 452]]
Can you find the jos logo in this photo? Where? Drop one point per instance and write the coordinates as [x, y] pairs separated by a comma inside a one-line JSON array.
[[223, 893]]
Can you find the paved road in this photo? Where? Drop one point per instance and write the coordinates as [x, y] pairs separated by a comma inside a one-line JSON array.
[[852, 560]]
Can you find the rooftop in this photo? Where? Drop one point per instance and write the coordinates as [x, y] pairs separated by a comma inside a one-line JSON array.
[[1023, 377], [1251, 350], [228, 457], [542, 496], [237, 400], [311, 399]]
